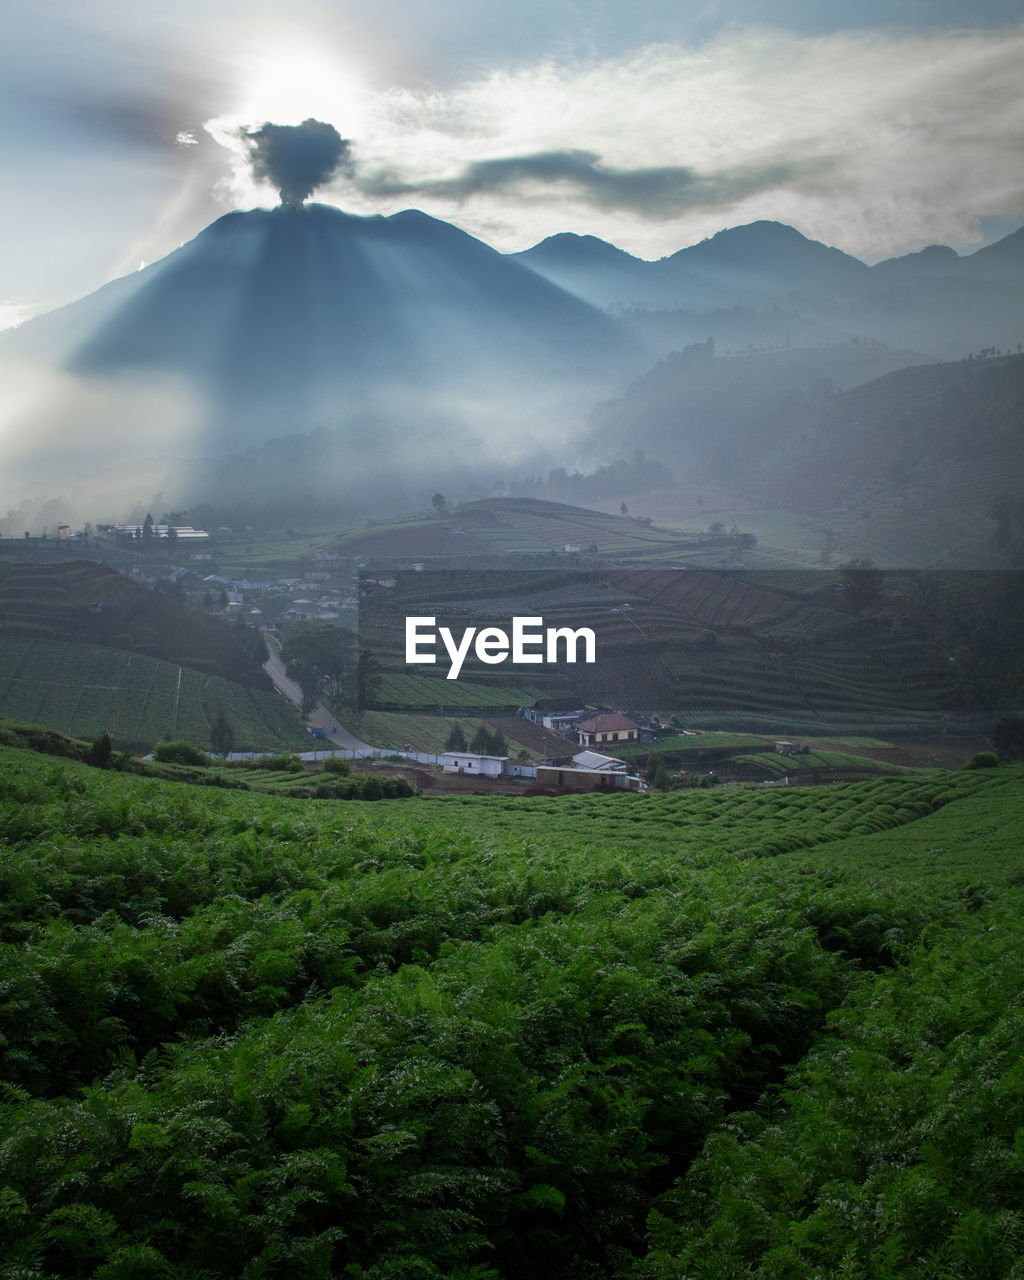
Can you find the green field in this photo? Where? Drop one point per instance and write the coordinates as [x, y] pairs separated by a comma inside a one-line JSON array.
[[412, 692], [259, 551], [762, 1033], [82, 690], [766, 652]]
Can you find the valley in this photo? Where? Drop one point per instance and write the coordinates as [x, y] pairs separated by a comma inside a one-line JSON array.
[[701, 958]]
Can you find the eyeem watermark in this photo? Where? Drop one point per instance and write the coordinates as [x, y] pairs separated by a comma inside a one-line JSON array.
[[530, 641]]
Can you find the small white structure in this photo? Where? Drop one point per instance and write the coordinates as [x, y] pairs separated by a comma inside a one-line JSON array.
[[471, 762]]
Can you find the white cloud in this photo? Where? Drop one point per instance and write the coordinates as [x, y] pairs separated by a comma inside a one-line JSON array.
[[875, 142], [14, 313]]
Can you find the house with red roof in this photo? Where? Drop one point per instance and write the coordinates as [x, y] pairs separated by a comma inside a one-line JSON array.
[[605, 729]]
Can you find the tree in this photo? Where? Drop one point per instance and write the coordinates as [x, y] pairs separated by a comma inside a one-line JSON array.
[[488, 742], [456, 740], [101, 752], [320, 658], [222, 733], [370, 674], [982, 760], [624, 509], [657, 775], [438, 503]]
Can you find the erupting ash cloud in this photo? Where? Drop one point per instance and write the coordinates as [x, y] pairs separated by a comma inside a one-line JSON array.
[[296, 158]]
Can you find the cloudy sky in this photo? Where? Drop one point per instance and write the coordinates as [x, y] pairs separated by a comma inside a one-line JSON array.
[[879, 126]]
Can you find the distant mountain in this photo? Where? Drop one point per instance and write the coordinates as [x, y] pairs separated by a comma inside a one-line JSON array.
[[762, 259], [936, 259], [737, 266], [293, 318], [594, 270], [306, 353], [906, 467], [710, 416], [765, 284], [1003, 260]]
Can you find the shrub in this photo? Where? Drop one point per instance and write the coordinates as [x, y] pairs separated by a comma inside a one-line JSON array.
[[335, 764], [101, 753], [179, 753], [285, 762], [982, 760]]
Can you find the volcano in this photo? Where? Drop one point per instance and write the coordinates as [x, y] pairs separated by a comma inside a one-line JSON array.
[[298, 318]]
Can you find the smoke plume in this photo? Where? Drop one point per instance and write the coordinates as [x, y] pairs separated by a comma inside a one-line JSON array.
[[296, 158]]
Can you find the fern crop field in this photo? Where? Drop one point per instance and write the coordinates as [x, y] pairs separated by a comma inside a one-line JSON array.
[[743, 1033]]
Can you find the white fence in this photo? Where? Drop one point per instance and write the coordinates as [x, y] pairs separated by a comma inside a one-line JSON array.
[[374, 753]]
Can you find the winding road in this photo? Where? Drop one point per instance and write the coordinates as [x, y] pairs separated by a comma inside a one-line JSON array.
[[320, 716]]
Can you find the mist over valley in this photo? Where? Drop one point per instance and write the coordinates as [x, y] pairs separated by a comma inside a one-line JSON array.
[[301, 355]]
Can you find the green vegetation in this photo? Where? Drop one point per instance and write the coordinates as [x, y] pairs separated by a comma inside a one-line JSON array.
[[321, 659], [527, 528], [81, 690], [179, 753], [772, 1033], [246, 551], [411, 692]]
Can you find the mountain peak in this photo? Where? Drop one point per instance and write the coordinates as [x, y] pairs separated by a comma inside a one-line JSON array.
[[765, 244], [570, 248]]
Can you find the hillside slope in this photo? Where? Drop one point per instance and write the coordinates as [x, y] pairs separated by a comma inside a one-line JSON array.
[[301, 1036], [919, 454], [88, 603]]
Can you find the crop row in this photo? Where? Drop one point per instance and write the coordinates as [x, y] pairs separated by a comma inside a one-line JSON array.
[[467, 1038], [82, 690]]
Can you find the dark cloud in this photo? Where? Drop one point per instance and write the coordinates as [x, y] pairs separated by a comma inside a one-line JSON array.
[[297, 158], [657, 192]]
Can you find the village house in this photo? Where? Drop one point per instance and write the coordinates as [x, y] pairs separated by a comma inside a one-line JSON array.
[[560, 778], [554, 717], [601, 730]]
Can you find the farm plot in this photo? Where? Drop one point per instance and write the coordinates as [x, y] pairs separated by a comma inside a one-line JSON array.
[[713, 599], [81, 690], [412, 691]]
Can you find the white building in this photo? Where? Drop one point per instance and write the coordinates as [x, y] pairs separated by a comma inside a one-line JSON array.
[[470, 762], [594, 760]]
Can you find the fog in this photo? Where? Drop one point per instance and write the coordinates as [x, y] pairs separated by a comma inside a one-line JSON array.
[[302, 357]]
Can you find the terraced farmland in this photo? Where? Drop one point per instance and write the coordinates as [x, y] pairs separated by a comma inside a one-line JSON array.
[[413, 692], [81, 690], [839, 689], [523, 527]]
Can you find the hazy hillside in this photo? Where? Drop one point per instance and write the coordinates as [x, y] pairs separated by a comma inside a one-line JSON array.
[[87, 603], [306, 357], [767, 284], [714, 415], [906, 465]]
